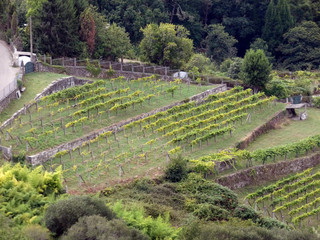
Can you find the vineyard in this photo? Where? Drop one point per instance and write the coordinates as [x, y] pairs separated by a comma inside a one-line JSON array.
[[77, 111], [152, 141], [294, 199], [236, 157]]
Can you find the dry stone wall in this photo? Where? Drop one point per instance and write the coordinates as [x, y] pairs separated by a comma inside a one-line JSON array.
[[81, 71], [55, 86], [268, 172], [46, 155]]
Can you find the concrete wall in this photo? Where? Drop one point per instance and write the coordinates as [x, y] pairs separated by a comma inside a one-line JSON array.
[[45, 155], [269, 172]]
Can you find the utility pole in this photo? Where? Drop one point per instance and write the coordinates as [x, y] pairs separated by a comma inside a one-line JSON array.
[[31, 40]]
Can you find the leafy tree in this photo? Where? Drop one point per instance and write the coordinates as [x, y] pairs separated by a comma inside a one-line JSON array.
[[166, 44], [301, 47], [117, 42], [200, 61], [219, 44], [97, 227], [235, 68], [259, 43], [301, 10], [61, 215], [176, 170], [88, 28], [255, 69]]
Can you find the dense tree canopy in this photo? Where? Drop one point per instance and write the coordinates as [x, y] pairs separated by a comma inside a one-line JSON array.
[[301, 47], [255, 69], [234, 24], [166, 44]]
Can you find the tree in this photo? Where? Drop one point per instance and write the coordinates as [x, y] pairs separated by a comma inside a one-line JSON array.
[[97, 227], [255, 69], [235, 68], [219, 44], [56, 29], [259, 43], [166, 44], [61, 215], [88, 28], [301, 47], [278, 20], [117, 42], [200, 61]]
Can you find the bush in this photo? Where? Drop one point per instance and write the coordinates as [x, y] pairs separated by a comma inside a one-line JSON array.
[[209, 212], [316, 101], [9, 231], [155, 228], [97, 227], [20, 158], [61, 215], [176, 170], [20, 84], [235, 68], [36, 232], [225, 65], [200, 61], [244, 212]]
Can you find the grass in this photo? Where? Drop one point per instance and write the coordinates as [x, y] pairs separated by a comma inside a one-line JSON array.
[[289, 132], [20, 130], [34, 83], [81, 161]]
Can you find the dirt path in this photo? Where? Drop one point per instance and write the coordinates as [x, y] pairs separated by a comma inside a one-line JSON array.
[[7, 73]]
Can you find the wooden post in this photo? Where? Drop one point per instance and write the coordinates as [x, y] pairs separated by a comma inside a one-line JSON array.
[[74, 62]]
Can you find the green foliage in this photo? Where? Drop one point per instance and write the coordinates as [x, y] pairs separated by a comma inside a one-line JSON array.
[[9, 231], [219, 44], [301, 47], [209, 212], [26, 193], [176, 170], [172, 46], [259, 43], [117, 42], [20, 84], [233, 230], [94, 69], [36, 232], [225, 65], [200, 61], [278, 88], [316, 101], [255, 69], [235, 68], [155, 228], [97, 227], [61, 215], [19, 158]]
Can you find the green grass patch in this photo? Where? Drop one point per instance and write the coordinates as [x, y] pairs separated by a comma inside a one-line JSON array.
[[290, 131], [34, 83]]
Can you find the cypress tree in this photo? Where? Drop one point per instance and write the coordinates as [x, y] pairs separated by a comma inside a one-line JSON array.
[[286, 19], [56, 28]]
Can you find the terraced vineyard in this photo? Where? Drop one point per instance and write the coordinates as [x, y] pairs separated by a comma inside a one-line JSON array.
[[76, 111], [293, 199], [150, 142]]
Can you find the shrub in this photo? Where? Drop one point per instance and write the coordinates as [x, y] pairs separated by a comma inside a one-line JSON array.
[[20, 84], [176, 170], [316, 101], [36, 232], [61, 215], [97, 227], [8, 230], [209, 212], [155, 228], [244, 212], [224, 67], [20, 158], [235, 68]]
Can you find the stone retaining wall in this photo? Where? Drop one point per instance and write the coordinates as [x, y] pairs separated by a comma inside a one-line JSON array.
[[45, 155], [4, 103], [6, 152], [268, 172], [56, 85], [81, 71], [271, 124]]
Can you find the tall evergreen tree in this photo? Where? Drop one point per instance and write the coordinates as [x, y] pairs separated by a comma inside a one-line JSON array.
[[56, 28], [278, 20]]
